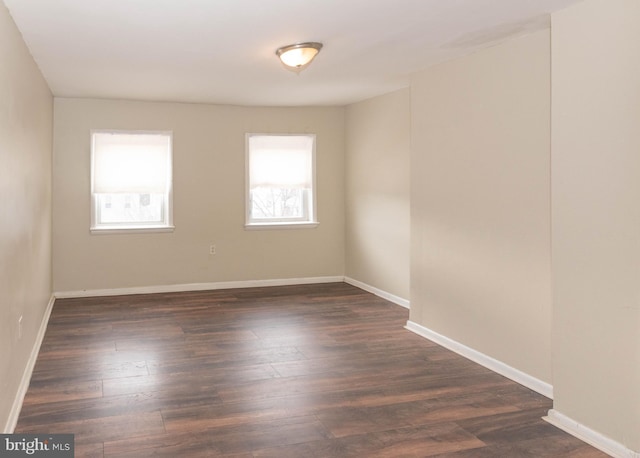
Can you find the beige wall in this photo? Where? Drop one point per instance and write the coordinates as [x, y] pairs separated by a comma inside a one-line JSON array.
[[377, 192], [596, 216], [209, 199], [480, 202], [26, 120]]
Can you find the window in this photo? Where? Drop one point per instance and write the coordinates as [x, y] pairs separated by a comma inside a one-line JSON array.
[[131, 181], [280, 181]]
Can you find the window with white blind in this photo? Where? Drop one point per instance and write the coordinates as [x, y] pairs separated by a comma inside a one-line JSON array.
[[131, 181], [280, 181]]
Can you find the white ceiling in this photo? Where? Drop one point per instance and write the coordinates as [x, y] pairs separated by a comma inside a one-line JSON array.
[[223, 51]]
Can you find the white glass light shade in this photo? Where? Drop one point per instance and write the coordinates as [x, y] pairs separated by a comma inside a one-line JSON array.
[[297, 57]]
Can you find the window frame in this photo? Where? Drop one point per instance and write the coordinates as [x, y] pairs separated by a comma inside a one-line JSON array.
[[125, 227], [311, 221]]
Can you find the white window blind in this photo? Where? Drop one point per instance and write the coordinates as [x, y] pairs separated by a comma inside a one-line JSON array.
[[281, 161], [131, 163]]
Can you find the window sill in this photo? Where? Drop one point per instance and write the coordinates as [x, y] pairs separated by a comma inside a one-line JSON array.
[[280, 226], [130, 230]]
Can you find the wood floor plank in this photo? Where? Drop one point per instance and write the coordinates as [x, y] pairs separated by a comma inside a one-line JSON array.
[[246, 438], [81, 369], [210, 417], [424, 441], [101, 429], [42, 392], [90, 450], [187, 444], [345, 421], [295, 371]]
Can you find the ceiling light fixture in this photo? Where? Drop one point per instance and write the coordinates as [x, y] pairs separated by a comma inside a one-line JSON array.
[[298, 56]]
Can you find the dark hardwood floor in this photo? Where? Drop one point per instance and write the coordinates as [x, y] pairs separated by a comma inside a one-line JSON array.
[[300, 371]]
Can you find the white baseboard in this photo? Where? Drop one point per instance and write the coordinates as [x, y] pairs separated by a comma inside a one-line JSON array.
[[501, 368], [196, 287], [588, 435], [378, 292], [16, 407]]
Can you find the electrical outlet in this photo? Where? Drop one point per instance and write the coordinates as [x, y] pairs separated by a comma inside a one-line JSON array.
[[20, 327], [212, 249]]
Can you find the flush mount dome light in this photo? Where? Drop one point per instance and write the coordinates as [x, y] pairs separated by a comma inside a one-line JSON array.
[[298, 56]]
